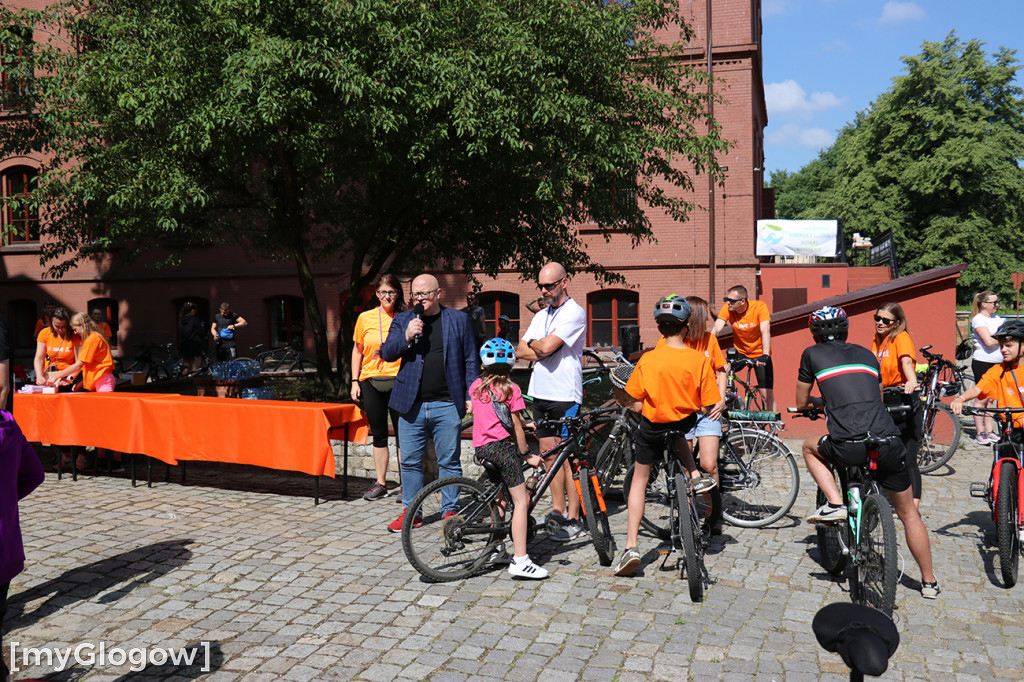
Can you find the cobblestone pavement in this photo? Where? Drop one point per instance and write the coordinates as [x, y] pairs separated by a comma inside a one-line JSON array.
[[285, 590]]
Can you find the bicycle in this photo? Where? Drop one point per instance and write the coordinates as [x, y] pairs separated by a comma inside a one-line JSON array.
[[443, 546], [758, 474], [287, 358], [867, 537], [941, 428], [146, 363], [751, 399], [1004, 489], [675, 514]]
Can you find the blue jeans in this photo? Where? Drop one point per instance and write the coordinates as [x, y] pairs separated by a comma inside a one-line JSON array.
[[440, 421]]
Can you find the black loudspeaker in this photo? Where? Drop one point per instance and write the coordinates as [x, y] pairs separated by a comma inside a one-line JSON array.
[[629, 337]]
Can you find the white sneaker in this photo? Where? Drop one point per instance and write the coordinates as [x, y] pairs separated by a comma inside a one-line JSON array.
[[525, 568], [500, 556]]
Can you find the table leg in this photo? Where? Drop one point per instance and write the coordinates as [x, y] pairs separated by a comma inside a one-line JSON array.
[[344, 469], [316, 490], [131, 467], [149, 472], [182, 465], [60, 464], [74, 463]]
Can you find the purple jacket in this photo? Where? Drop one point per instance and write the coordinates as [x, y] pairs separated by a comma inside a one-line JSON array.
[[20, 474]]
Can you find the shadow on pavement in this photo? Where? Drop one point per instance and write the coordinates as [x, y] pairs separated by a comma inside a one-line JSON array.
[[125, 571]]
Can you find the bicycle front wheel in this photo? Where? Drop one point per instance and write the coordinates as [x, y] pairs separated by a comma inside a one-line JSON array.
[[597, 518], [689, 532], [657, 518], [759, 478], [940, 439], [445, 549], [1007, 533], [874, 574]]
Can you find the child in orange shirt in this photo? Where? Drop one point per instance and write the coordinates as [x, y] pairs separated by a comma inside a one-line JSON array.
[[669, 385], [1000, 383]]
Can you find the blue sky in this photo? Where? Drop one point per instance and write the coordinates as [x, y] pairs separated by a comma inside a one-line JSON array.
[[825, 60]]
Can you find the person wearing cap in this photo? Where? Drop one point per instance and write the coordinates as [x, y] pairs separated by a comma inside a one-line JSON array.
[[670, 385], [849, 379], [1000, 382]]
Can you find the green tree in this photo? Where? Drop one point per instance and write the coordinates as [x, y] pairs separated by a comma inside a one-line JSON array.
[[379, 134], [937, 159]]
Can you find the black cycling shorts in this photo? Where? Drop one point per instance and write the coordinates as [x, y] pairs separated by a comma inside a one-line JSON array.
[[765, 373], [649, 437], [892, 471], [552, 409]]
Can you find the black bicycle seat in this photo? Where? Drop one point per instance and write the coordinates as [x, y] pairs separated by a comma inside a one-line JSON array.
[[864, 637]]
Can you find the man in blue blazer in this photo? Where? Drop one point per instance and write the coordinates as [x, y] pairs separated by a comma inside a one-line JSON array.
[[431, 394]]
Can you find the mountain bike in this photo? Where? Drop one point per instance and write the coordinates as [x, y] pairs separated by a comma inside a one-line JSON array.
[[758, 475], [445, 546], [287, 358], [146, 363], [750, 398], [941, 433], [673, 513], [1005, 488], [867, 537]]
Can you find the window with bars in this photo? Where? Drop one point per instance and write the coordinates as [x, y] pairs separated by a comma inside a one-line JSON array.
[[20, 216], [496, 304], [607, 311], [287, 315]]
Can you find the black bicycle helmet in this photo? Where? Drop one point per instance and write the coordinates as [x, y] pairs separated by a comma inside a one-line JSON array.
[[671, 308], [1013, 329], [829, 324]]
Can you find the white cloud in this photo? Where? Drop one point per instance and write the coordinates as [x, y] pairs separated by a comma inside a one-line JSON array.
[[774, 8], [788, 97], [809, 138], [896, 12], [836, 46]]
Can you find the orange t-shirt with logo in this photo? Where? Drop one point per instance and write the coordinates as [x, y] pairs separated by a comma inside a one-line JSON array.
[[746, 328], [59, 352], [673, 383], [371, 329], [998, 384], [96, 360], [889, 355]]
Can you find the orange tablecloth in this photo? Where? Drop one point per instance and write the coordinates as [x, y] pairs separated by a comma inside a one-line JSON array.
[[277, 434]]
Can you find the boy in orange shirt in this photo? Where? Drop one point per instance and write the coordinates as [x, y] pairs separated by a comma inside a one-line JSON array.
[[1000, 383], [751, 336], [669, 385]]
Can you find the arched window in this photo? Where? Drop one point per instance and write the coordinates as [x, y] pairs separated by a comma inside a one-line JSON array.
[[608, 310], [287, 315], [22, 320], [20, 218], [496, 304], [109, 308]]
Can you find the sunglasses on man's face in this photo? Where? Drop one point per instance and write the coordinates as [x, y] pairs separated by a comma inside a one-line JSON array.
[[732, 300], [549, 286], [884, 320]]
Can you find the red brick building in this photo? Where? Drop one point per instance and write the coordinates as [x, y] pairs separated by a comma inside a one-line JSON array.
[[704, 255]]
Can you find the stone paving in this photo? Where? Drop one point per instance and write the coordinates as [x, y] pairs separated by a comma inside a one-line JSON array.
[[285, 590]]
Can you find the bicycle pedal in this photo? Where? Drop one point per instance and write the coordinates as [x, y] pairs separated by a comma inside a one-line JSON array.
[[979, 489]]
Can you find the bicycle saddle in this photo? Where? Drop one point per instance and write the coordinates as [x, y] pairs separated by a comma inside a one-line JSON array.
[[864, 637]]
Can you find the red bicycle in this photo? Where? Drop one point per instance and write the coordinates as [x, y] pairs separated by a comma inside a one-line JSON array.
[[1005, 488]]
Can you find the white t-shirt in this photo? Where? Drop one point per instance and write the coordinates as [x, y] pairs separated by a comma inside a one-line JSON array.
[[559, 377], [981, 351]]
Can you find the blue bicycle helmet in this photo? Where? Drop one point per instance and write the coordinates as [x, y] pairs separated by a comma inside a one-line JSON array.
[[497, 352], [829, 324], [671, 308]]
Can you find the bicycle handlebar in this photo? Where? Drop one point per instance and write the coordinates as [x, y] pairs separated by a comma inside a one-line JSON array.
[[937, 358], [578, 418], [1005, 411]]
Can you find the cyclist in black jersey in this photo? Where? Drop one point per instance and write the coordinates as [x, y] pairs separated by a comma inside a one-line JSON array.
[[849, 381]]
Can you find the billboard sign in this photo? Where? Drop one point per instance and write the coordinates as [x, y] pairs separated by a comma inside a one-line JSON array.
[[797, 238]]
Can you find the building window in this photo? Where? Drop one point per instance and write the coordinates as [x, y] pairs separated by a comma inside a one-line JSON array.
[[108, 307], [22, 317], [20, 217], [17, 70], [287, 315], [496, 304], [606, 312]]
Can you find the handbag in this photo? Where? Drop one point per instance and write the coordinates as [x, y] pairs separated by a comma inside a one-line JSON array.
[[382, 384]]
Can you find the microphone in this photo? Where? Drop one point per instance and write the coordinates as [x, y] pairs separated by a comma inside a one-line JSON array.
[[418, 310]]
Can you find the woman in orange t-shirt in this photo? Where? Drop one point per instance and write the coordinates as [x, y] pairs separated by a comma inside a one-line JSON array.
[[94, 359], [894, 349], [708, 430], [56, 350]]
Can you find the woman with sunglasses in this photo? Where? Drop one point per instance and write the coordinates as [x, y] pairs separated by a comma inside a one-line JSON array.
[[56, 350], [373, 378], [894, 349], [985, 323]]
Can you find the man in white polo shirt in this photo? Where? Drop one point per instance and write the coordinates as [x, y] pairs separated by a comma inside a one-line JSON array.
[[554, 342]]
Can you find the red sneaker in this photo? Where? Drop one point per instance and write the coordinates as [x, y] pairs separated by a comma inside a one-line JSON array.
[[396, 525], [449, 514]]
